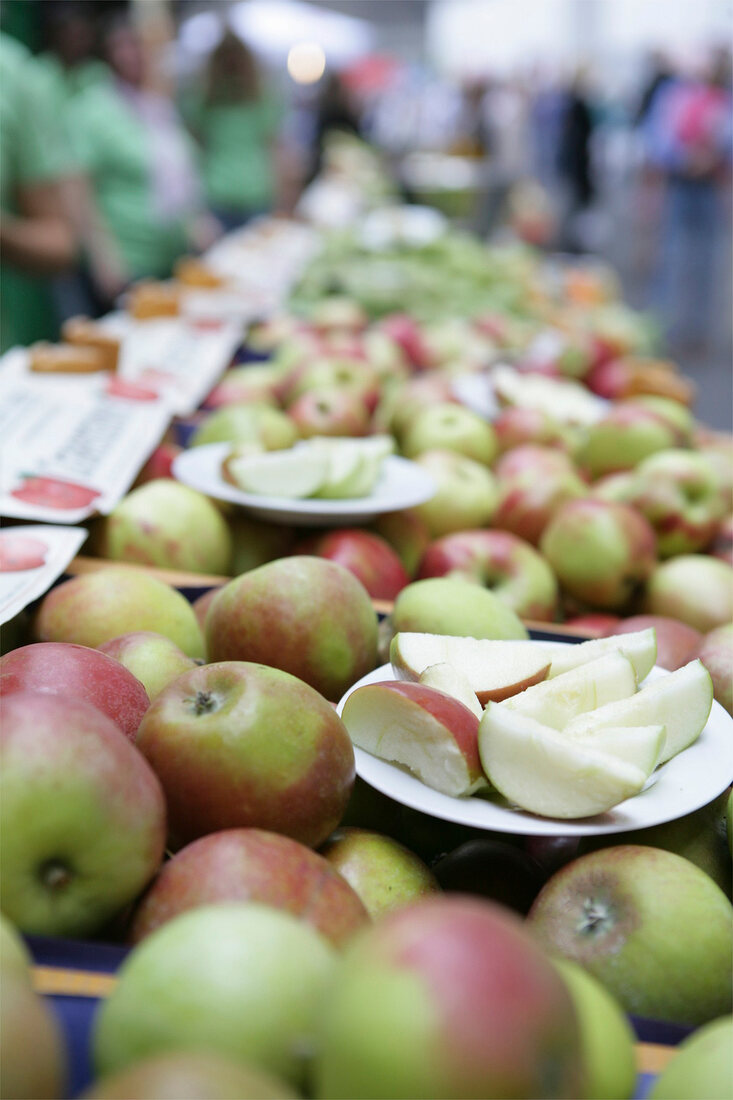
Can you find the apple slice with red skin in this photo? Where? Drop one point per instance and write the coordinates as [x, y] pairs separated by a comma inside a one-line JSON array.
[[426, 731]]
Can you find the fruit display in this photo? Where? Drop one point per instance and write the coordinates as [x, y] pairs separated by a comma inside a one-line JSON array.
[[182, 753]]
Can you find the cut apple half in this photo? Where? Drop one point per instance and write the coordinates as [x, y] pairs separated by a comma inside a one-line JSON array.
[[641, 746], [291, 474], [495, 670], [640, 648], [680, 701], [556, 702], [451, 680], [542, 771], [420, 728]]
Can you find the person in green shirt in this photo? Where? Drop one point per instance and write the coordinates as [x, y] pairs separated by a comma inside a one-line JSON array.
[[236, 123], [140, 163], [36, 234]]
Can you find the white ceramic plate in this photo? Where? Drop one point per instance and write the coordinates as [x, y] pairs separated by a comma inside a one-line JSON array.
[[401, 484], [686, 782]]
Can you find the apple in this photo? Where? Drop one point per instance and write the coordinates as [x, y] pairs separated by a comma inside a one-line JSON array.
[[152, 658], [594, 624], [676, 642], [83, 816], [465, 496], [407, 334], [154, 525], [494, 670], [648, 924], [293, 474], [33, 1060], [675, 413], [334, 412], [544, 772], [698, 836], [516, 426], [424, 730], [78, 672], [160, 463], [640, 647], [370, 558], [385, 356], [447, 997], [628, 433], [618, 487], [306, 615], [407, 533], [242, 979], [448, 605], [532, 460], [601, 552], [19, 552], [629, 376], [189, 1075], [338, 312], [453, 682], [493, 869], [715, 650], [239, 745], [202, 604], [257, 384], [527, 502], [402, 403], [247, 422], [512, 569], [15, 957], [694, 588], [606, 679], [606, 1034], [678, 493], [333, 375], [722, 544], [450, 427], [702, 1065], [252, 865], [255, 541], [384, 873], [94, 607]]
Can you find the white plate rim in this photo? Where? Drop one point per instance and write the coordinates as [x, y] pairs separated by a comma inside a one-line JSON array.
[[199, 467], [665, 798]]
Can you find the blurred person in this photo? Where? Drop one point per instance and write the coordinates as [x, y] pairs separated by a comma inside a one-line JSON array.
[[147, 207], [574, 160], [688, 135], [68, 60], [36, 235], [236, 122], [334, 111]]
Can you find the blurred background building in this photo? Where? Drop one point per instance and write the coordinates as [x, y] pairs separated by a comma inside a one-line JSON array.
[[589, 126]]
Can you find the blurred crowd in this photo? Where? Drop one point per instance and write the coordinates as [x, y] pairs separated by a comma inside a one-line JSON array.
[[112, 168]]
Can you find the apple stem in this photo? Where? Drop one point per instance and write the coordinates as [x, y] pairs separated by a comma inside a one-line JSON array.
[[55, 875]]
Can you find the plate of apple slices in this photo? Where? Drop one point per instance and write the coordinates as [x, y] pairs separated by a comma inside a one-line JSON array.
[[541, 738], [315, 483]]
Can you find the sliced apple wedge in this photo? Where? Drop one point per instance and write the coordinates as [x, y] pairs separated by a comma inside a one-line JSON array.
[[345, 467], [494, 669], [451, 680], [556, 702], [640, 648], [641, 746], [293, 474], [680, 701], [546, 773], [426, 731]]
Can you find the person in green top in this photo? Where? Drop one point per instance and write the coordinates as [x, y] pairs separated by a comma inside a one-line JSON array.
[[236, 123], [140, 163], [36, 235]]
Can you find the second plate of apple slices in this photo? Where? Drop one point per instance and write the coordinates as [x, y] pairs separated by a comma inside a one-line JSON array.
[[689, 780]]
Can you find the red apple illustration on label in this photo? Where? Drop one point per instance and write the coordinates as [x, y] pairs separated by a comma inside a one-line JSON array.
[[20, 552], [53, 492], [121, 387]]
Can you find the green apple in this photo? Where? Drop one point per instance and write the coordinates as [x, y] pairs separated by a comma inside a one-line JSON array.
[[623, 437], [292, 474], [466, 493], [648, 924], [701, 1066], [493, 670], [678, 493], [540, 770], [680, 702], [558, 701], [242, 745], [306, 615], [450, 427], [606, 1036], [695, 588], [82, 815], [93, 608], [446, 605], [193, 1075], [153, 525], [152, 658], [247, 423], [429, 733], [384, 873], [243, 980], [447, 997], [639, 647], [33, 1062]]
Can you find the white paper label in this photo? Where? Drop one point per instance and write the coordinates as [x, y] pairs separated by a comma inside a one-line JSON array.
[[31, 559]]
